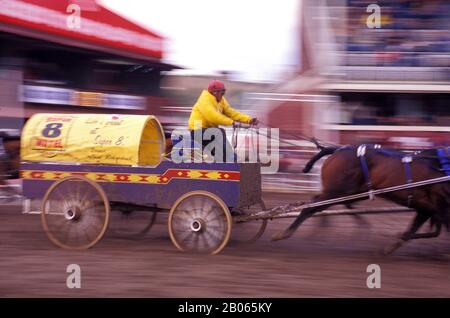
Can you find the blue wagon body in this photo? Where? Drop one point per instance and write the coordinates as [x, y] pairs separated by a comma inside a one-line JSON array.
[[158, 186]]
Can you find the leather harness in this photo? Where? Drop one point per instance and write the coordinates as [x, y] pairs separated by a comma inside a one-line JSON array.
[[406, 160]]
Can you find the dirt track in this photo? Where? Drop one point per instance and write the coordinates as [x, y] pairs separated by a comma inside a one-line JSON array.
[[323, 259]]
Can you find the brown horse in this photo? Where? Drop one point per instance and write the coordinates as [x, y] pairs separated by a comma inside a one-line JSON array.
[[343, 175]]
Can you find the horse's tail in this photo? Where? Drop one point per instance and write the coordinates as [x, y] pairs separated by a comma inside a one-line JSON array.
[[316, 142], [325, 151]]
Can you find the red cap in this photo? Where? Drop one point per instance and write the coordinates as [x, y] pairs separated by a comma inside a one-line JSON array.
[[215, 85]]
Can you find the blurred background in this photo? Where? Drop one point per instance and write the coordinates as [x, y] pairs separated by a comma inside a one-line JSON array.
[[309, 68]]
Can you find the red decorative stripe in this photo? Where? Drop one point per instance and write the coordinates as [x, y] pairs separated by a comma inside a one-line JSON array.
[[37, 175], [101, 177], [143, 178], [58, 175], [119, 177], [230, 175], [204, 174], [164, 178]]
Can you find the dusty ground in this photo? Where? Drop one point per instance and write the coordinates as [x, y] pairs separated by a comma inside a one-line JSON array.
[[323, 259]]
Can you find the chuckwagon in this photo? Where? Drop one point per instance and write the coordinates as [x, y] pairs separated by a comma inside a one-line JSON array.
[[82, 166]]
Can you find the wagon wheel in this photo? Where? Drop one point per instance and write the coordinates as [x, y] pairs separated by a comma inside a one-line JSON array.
[[250, 232], [134, 224], [75, 213], [199, 221]]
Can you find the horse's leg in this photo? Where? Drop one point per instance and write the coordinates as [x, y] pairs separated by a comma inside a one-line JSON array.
[[435, 220], [427, 235], [360, 220], [305, 214], [420, 218]]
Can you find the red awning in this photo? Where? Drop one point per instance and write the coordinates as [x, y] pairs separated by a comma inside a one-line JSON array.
[[99, 28]]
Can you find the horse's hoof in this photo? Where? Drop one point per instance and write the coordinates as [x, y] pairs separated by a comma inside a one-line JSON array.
[[275, 237], [388, 250], [278, 236]]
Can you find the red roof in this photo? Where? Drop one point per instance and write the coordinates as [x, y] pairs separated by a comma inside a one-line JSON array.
[[98, 27]]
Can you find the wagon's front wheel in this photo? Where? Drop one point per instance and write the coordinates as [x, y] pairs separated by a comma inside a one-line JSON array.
[[75, 213], [199, 221]]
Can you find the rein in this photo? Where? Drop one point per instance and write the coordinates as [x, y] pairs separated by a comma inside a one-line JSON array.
[[320, 144]]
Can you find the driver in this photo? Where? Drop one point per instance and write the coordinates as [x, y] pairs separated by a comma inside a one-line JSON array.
[[211, 110]]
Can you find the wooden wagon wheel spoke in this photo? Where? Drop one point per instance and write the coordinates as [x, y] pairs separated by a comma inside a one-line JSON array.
[[59, 194], [185, 235], [199, 221], [215, 235], [205, 241], [184, 215], [211, 215], [87, 234], [197, 205], [92, 222], [75, 213], [76, 193], [211, 239]]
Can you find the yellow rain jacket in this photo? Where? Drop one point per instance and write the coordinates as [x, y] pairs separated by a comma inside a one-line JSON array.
[[212, 114]]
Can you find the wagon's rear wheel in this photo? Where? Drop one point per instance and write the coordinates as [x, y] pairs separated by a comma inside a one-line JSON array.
[[199, 221], [75, 213], [249, 232]]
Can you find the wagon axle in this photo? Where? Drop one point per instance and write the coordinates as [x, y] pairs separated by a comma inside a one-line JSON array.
[[72, 213], [198, 225]]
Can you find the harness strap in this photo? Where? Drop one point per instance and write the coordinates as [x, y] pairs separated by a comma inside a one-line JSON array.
[[406, 160], [361, 154], [444, 159]]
